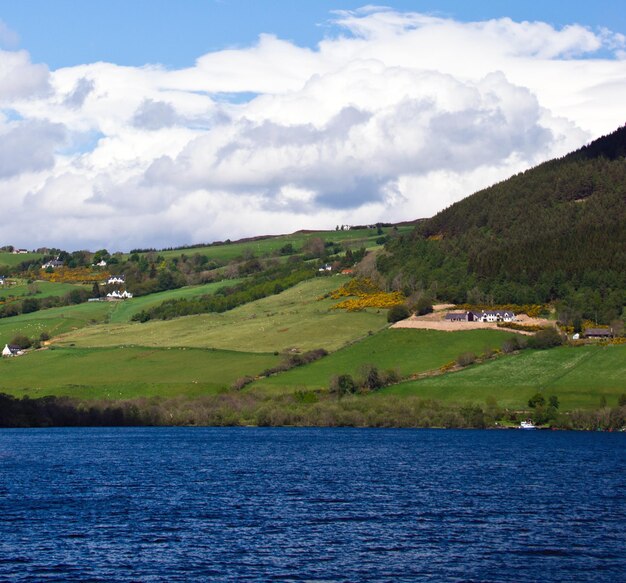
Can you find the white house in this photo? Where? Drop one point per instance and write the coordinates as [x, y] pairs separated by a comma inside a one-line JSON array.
[[10, 350], [494, 316], [117, 295], [52, 263], [116, 279], [484, 316], [101, 263]]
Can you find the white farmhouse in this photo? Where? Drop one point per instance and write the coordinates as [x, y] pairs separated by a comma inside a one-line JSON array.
[[11, 350], [118, 295], [116, 279]]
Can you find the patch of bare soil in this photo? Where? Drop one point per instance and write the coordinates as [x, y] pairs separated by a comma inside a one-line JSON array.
[[436, 321]]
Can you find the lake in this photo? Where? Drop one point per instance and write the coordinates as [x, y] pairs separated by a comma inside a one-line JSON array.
[[257, 504]]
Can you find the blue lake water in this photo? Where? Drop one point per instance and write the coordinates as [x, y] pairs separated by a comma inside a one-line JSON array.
[[234, 504]]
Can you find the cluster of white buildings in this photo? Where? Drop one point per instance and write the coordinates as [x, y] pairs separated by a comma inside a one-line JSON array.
[[118, 294], [481, 316]]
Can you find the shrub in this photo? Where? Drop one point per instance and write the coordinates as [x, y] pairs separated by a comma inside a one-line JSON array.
[[30, 305], [537, 400], [397, 313], [21, 341], [423, 306], [342, 384], [241, 382], [466, 359], [370, 377], [512, 344], [546, 338]]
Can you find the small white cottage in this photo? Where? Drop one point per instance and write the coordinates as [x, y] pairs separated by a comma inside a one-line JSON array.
[[11, 350]]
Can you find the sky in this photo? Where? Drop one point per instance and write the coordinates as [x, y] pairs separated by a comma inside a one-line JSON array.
[[152, 124]]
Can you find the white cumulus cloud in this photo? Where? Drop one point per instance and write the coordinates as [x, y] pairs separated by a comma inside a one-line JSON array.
[[394, 118]]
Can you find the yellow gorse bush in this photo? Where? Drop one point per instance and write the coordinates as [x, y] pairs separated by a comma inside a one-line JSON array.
[[73, 275], [368, 295]]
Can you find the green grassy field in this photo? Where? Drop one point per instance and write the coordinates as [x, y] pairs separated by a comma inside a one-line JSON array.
[[579, 377], [124, 311], [407, 350], [65, 319], [120, 373], [11, 260], [42, 289], [54, 321], [265, 247], [294, 318]]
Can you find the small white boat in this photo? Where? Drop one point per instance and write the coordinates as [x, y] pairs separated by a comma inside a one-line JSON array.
[[527, 425]]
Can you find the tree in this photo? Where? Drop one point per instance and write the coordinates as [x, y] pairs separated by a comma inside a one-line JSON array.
[[546, 338], [21, 341], [617, 328], [30, 305], [100, 255], [342, 384], [537, 400], [370, 377], [423, 306], [511, 345], [397, 313], [315, 247]]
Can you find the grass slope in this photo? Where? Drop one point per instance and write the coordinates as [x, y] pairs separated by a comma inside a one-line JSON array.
[[11, 259], [42, 288], [294, 318], [119, 373], [579, 377], [263, 247], [124, 311], [54, 321], [409, 351]]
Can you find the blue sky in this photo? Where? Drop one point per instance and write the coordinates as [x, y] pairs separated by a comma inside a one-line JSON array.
[[135, 32], [151, 123]]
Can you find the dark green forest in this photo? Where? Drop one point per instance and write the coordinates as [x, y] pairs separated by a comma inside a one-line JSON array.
[[555, 233]]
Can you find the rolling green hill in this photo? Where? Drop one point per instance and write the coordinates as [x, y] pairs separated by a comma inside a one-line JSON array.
[[294, 318], [13, 259], [38, 289], [265, 246], [123, 373], [405, 350], [54, 321], [578, 376], [124, 311]]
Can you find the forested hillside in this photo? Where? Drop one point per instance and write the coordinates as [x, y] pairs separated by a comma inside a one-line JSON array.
[[555, 232]]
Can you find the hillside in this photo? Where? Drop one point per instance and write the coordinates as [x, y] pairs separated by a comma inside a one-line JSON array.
[[555, 232]]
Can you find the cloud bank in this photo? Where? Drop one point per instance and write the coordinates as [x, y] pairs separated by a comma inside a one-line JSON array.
[[394, 118]]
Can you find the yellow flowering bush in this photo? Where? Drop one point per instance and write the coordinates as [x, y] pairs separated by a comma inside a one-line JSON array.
[[73, 275], [364, 293]]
